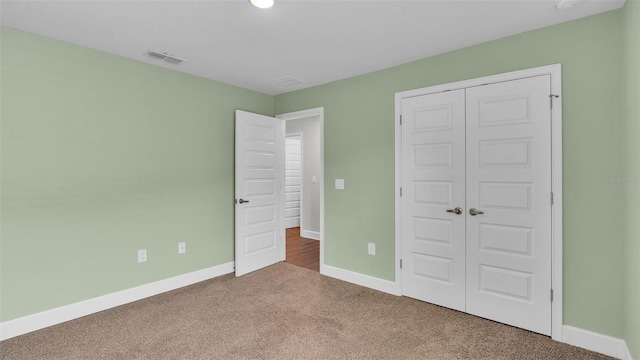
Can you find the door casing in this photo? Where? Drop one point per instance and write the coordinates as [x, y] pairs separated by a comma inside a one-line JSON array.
[[556, 168]]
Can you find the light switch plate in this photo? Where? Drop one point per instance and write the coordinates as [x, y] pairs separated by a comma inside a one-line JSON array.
[[339, 184], [142, 255], [372, 249]]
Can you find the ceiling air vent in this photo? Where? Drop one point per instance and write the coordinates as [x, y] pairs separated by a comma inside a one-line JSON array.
[[164, 57], [286, 81]]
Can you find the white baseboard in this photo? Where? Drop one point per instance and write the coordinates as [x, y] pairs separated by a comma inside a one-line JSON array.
[[360, 279], [599, 343], [26, 324], [292, 222], [315, 235]]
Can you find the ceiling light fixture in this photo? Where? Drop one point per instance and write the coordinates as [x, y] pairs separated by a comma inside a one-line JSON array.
[[262, 4]]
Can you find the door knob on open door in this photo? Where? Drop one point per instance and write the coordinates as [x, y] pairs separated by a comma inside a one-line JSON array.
[[242, 201], [474, 212], [456, 211]]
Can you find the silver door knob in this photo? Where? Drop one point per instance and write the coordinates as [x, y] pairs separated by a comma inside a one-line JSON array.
[[242, 201], [474, 212], [456, 211]]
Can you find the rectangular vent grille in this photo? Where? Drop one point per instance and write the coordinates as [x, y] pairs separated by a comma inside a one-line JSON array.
[[287, 81], [165, 57]]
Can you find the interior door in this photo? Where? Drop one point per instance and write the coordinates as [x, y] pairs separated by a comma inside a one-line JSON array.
[[259, 169], [509, 181], [433, 203]]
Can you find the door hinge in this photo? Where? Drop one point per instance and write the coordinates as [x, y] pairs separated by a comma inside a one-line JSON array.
[[551, 99], [400, 192], [552, 198], [400, 120], [400, 263], [551, 295]]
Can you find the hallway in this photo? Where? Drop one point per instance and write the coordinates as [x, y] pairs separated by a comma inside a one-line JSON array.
[[301, 251]]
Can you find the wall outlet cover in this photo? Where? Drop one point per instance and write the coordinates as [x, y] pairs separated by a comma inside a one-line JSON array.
[[182, 247]]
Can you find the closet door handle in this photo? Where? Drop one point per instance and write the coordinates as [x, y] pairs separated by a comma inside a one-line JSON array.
[[242, 201], [474, 212], [456, 211]]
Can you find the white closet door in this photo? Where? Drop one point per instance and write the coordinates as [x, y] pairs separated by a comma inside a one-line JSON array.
[[509, 179], [293, 181], [433, 156]]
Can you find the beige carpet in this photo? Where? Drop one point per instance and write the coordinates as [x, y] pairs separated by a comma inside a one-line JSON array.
[[283, 312]]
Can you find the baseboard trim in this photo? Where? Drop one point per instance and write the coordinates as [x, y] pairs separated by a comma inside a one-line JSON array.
[[41, 320], [360, 279], [599, 343], [291, 223], [315, 235]]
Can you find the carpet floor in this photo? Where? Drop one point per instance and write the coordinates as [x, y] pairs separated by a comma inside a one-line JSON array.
[[283, 312]]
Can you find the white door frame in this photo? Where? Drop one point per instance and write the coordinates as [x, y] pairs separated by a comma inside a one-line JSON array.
[[296, 115], [556, 168]]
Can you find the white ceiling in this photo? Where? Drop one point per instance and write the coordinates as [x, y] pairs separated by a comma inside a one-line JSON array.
[[313, 41]]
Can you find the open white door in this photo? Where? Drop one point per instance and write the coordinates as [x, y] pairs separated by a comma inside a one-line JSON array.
[[259, 171]]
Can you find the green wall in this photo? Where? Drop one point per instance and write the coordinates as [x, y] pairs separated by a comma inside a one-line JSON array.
[[102, 156], [632, 172], [359, 133]]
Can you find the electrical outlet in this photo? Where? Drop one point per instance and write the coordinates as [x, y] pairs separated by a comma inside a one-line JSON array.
[[182, 247], [372, 249], [142, 255]]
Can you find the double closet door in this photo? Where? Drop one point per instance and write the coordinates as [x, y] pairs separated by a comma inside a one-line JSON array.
[[476, 202]]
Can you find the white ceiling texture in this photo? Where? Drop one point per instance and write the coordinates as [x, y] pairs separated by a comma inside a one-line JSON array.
[[314, 42]]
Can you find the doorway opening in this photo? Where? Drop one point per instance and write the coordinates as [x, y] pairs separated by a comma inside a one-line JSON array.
[[260, 187], [304, 188], [301, 251]]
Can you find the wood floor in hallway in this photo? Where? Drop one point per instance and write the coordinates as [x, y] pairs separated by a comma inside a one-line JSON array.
[[301, 251]]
